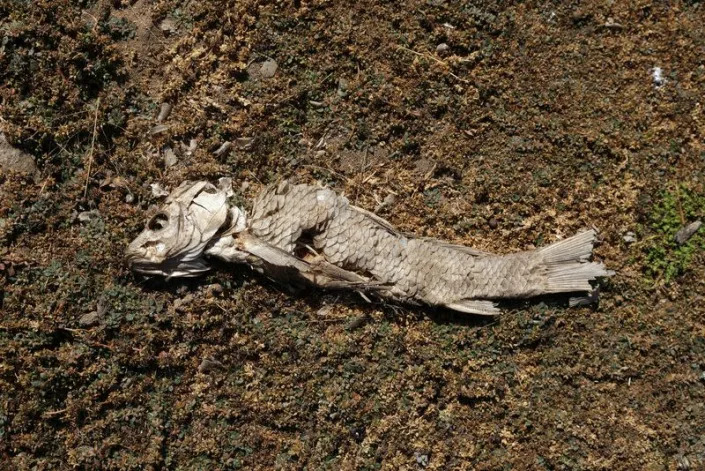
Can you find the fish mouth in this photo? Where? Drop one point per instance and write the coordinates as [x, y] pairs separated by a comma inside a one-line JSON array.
[[170, 268]]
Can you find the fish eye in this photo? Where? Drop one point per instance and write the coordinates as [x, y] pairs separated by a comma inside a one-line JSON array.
[[158, 222]]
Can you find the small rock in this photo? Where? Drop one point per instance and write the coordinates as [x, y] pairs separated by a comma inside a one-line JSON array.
[[268, 69], [493, 223], [629, 237], [421, 458], [425, 166], [685, 233], [170, 158], [14, 160], [657, 77], [342, 87], [244, 143], [442, 47], [158, 129], [129, 198], [164, 112], [89, 320], [190, 148], [224, 147], [214, 290], [208, 365], [87, 216], [181, 303], [168, 26], [388, 200], [357, 322], [158, 191]]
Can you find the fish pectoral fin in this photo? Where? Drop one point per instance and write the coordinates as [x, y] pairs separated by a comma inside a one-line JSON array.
[[475, 306]]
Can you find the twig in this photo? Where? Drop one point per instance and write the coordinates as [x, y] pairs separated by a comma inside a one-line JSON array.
[[90, 157], [429, 56]]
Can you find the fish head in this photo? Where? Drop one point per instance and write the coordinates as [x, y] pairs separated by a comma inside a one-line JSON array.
[[174, 240]]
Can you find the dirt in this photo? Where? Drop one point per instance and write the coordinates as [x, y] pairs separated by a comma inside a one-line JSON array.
[[538, 119]]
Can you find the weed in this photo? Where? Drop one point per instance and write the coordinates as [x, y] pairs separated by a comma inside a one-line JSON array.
[[665, 258]]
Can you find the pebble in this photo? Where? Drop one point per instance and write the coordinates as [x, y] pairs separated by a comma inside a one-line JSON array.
[[657, 77], [181, 303], [685, 233], [268, 68], [168, 26], [86, 216], [224, 147], [629, 237], [342, 87], [170, 158], [421, 459], [15, 160], [493, 223], [89, 320], [208, 365], [214, 290], [164, 112], [158, 129], [442, 47], [188, 149], [129, 198], [389, 200], [244, 143], [158, 190]]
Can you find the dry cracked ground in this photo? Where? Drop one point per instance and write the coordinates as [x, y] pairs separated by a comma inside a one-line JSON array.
[[500, 125]]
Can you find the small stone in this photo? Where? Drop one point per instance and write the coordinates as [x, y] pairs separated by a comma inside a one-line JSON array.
[[214, 290], [424, 166], [181, 303], [158, 129], [158, 190], [164, 112], [629, 237], [208, 365], [129, 198], [342, 87], [421, 458], [244, 143], [388, 200], [442, 47], [685, 233], [87, 216], [190, 148], [224, 147], [168, 26], [493, 223], [268, 69], [89, 320], [657, 77], [170, 158], [14, 160]]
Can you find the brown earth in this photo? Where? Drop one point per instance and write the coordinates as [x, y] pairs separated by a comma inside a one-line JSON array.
[[533, 121]]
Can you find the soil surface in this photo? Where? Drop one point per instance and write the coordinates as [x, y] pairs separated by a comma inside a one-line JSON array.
[[498, 125]]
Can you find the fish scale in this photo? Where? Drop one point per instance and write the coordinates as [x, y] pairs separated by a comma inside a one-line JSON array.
[[424, 269]]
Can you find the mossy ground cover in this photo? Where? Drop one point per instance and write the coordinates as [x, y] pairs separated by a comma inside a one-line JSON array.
[[533, 121]]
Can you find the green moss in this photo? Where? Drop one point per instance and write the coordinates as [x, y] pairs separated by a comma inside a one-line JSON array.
[[665, 258]]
